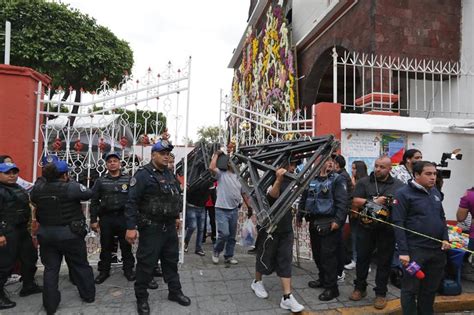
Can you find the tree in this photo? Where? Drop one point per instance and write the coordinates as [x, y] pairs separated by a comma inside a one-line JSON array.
[[65, 44], [208, 134]]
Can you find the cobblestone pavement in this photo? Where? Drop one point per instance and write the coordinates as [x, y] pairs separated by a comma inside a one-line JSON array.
[[212, 289]]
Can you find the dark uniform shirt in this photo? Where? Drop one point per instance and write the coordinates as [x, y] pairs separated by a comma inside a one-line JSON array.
[[14, 204], [339, 195], [109, 195], [147, 181]]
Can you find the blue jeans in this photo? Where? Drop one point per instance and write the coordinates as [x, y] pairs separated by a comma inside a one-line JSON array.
[[195, 218], [226, 230]]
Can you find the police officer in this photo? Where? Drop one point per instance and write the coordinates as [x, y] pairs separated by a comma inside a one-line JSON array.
[[61, 233], [372, 235], [15, 240], [154, 202], [108, 203], [325, 201]]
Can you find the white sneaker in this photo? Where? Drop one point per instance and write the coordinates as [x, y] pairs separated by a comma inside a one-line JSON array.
[[342, 277], [215, 258], [350, 266], [231, 261], [259, 289], [291, 304]]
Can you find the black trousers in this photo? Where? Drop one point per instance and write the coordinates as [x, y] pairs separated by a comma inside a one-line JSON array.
[[19, 246], [212, 221], [368, 239], [112, 225], [52, 250], [157, 241], [325, 253], [417, 296]]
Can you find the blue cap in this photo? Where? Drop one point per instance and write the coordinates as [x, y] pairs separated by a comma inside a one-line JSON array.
[[50, 158], [6, 167], [61, 166], [162, 145], [112, 154]]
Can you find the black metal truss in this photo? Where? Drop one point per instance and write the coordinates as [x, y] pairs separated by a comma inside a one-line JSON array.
[[198, 165], [256, 166]]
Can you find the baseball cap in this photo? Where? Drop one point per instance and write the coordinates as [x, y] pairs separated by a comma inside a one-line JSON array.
[[6, 167], [162, 145], [61, 166], [50, 158], [112, 154]]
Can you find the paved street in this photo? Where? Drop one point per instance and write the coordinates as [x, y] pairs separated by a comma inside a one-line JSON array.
[[213, 290]]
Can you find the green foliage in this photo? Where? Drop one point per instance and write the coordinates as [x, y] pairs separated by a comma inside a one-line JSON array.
[[64, 43], [208, 134]]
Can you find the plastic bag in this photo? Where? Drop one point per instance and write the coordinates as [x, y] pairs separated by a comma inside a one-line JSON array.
[[248, 233]]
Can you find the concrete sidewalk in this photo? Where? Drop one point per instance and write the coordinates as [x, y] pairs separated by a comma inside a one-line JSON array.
[[212, 289]]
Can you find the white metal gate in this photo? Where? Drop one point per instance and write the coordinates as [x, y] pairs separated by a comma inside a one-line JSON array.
[[128, 119]]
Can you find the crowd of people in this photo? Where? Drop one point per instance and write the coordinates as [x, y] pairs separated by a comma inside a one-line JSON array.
[[148, 206]]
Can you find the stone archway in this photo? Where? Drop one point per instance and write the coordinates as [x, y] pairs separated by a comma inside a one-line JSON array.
[[319, 82]]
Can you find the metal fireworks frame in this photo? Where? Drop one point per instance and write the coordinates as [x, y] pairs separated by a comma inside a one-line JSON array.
[[256, 167]]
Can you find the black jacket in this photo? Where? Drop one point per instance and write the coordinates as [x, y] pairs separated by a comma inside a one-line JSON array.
[[422, 211]]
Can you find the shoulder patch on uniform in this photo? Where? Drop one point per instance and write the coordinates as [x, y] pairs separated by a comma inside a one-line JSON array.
[[133, 181], [82, 187]]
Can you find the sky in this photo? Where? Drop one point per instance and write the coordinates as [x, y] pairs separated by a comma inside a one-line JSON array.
[[159, 31]]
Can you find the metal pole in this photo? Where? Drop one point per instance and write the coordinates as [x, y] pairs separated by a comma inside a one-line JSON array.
[[334, 65], [185, 183], [7, 42], [37, 127]]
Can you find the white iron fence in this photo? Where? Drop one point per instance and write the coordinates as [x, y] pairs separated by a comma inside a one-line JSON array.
[[411, 87], [127, 119]]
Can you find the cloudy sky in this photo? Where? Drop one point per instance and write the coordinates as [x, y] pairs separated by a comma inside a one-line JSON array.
[[161, 30]]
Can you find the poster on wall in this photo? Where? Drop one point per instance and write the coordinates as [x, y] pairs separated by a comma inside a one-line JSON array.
[[393, 145], [361, 146]]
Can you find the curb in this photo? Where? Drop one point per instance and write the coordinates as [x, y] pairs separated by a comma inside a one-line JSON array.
[[458, 303]]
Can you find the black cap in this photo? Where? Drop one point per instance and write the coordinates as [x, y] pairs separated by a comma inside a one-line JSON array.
[[112, 154]]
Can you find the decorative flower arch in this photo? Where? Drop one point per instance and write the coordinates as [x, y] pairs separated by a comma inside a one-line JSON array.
[[266, 75]]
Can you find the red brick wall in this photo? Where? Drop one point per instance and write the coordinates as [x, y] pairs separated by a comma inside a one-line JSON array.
[[405, 28]]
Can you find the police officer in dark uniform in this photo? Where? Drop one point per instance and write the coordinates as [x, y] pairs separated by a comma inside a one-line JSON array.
[[154, 203], [325, 202], [61, 233], [15, 240], [108, 203]]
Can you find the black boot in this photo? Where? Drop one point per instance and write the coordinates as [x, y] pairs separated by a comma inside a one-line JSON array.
[[143, 308], [314, 284], [180, 298], [29, 289], [101, 277], [5, 302], [153, 285], [329, 294], [130, 275]]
